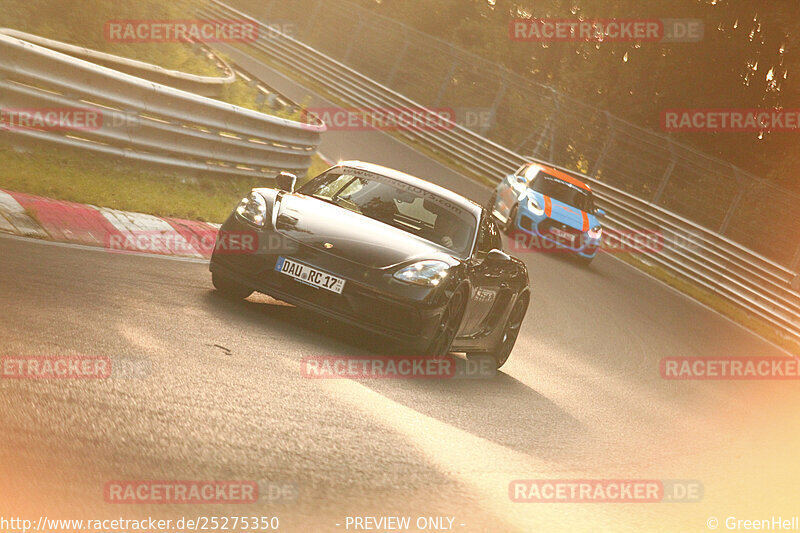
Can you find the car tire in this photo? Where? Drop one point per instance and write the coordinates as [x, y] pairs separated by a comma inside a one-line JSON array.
[[585, 261], [230, 288], [510, 224], [511, 330], [448, 326]]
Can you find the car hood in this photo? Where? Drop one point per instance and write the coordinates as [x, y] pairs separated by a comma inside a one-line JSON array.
[[351, 236], [566, 214]]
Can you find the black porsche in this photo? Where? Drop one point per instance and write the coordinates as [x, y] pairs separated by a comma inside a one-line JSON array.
[[382, 250]]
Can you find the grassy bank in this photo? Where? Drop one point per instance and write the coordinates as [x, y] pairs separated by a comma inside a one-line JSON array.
[[98, 180]]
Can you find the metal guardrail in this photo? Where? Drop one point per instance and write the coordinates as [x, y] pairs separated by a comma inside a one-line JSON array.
[[145, 121], [202, 85], [750, 280], [545, 123], [276, 101]]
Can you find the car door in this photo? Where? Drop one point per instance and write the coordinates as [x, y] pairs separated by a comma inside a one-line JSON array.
[[487, 280]]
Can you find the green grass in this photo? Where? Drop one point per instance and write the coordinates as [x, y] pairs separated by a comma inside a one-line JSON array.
[[98, 180]]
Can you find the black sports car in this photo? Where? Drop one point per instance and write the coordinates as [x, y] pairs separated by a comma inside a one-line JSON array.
[[382, 250]]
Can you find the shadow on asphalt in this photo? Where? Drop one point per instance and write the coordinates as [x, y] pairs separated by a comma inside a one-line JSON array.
[[500, 409]]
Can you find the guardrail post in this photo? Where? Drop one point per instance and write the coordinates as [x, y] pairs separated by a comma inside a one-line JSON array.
[[606, 145], [541, 133], [723, 229], [667, 175], [501, 93], [734, 205], [542, 137], [400, 57], [553, 126], [311, 19], [447, 78], [267, 12], [796, 261], [354, 39]]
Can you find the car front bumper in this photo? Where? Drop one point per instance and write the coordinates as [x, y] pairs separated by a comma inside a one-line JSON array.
[[529, 224], [371, 300]]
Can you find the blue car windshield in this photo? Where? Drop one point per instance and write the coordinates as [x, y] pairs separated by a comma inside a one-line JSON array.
[[563, 192]]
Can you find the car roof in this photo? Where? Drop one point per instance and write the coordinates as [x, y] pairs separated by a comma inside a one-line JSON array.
[[425, 185], [563, 176]]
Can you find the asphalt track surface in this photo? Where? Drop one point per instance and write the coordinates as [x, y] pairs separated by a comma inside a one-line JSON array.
[[213, 391]]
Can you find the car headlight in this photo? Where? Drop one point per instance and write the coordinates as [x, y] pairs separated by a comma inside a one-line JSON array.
[[428, 273], [253, 209], [534, 207], [596, 232]]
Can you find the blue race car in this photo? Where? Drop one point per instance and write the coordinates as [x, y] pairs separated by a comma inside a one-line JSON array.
[[548, 209]]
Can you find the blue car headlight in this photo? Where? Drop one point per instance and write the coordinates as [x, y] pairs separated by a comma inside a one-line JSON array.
[[253, 209], [534, 207], [596, 232], [427, 273]]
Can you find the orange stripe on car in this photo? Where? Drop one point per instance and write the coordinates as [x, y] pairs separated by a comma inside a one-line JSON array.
[[585, 222], [566, 177], [548, 206]]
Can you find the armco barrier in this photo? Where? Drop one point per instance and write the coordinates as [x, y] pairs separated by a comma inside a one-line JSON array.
[[201, 85], [145, 121], [755, 283]]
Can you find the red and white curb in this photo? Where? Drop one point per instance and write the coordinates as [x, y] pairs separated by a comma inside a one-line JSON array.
[[117, 231]]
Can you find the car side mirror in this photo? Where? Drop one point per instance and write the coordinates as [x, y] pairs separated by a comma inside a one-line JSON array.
[[599, 213], [286, 181], [497, 257]]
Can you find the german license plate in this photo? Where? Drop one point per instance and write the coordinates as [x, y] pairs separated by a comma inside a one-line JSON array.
[[569, 237], [309, 275]]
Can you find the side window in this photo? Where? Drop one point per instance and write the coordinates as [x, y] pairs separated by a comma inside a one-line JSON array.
[[494, 235], [489, 237]]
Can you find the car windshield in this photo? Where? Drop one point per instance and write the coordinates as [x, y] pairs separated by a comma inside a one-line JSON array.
[[563, 192], [397, 204]]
